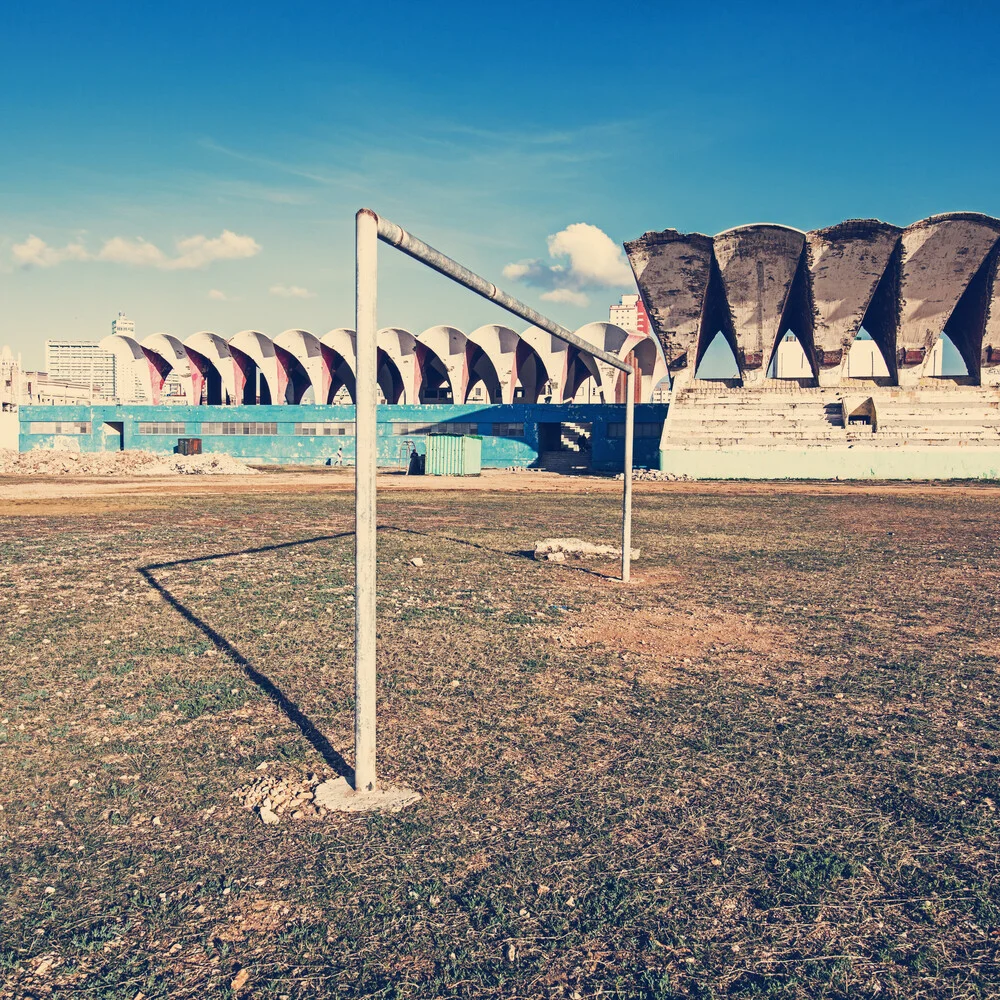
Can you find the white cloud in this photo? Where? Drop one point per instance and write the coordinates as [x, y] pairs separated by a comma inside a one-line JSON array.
[[191, 252], [199, 251], [137, 252], [566, 295], [217, 295], [595, 262], [593, 255], [35, 252], [291, 292]]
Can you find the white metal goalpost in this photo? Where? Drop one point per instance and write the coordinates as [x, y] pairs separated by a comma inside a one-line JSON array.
[[370, 228]]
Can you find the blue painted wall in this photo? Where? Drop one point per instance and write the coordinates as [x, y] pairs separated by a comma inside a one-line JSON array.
[[288, 448]]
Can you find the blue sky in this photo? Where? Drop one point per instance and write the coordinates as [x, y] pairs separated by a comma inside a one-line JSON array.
[[200, 168]]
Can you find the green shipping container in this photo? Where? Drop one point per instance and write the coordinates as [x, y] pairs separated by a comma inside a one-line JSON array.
[[454, 455]]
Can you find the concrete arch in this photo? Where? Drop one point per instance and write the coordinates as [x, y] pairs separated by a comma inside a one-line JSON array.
[[758, 264], [174, 358], [989, 372], [259, 349], [401, 350], [943, 256], [210, 355], [530, 375], [643, 351], [134, 366], [450, 347], [311, 360], [500, 346], [555, 357], [672, 273], [846, 264]]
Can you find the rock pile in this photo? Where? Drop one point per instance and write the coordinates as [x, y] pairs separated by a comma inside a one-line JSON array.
[[272, 797], [55, 462], [561, 549]]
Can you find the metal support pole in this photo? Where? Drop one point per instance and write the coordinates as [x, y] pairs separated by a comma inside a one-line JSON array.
[[364, 478], [416, 248], [627, 483]]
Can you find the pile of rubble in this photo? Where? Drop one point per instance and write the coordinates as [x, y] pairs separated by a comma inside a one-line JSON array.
[[271, 797], [561, 549], [654, 475], [57, 462], [312, 797]]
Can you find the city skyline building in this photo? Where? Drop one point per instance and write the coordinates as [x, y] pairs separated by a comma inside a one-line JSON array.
[[630, 314], [82, 362]]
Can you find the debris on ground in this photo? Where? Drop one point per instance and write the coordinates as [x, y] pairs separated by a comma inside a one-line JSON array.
[[272, 797], [60, 462], [559, 549], [310, 797], [416, 561], [656, 476]]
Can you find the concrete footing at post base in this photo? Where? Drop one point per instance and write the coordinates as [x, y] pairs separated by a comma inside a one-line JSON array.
[[338, 795], [832, 462]]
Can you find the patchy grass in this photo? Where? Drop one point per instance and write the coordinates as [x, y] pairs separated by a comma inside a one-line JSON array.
[[770, 768]]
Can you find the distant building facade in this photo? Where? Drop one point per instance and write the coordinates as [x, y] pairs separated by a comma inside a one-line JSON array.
[[630, 314], [82, 362]]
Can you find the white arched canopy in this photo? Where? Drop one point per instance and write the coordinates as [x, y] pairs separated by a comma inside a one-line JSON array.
[[136, 372], [493, 364]]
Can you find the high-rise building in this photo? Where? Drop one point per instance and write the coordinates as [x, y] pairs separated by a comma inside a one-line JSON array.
[[122, 326], [84, 363], [630, 314]]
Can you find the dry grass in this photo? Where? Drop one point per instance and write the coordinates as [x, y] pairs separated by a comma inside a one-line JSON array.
[[768, 769]]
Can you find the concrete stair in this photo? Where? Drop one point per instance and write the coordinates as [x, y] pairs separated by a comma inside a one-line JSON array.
[[773, 417]]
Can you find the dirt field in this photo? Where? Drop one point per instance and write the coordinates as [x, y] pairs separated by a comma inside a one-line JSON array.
[[771, 767]]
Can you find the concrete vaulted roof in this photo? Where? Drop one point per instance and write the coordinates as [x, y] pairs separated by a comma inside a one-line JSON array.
[[846, 262], [758, 264], [297, 361], [672, 271], [938, 275], [940, 256]]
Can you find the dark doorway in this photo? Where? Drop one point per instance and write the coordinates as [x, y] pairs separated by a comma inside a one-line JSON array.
[[114, 435]]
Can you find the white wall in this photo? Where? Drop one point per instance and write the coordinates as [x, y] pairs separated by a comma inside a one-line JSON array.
[[9, 429]]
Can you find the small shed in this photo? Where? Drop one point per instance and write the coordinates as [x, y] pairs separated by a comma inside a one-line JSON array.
[[454, 455]]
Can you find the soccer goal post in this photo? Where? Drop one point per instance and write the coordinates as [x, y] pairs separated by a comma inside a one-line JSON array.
[[370, 228]]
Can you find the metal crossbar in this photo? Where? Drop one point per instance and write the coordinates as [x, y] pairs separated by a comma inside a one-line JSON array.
[[370, 228]]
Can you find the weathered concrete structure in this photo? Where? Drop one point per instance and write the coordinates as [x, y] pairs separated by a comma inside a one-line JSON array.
[[441, 364], [847, 407], [905, 287]]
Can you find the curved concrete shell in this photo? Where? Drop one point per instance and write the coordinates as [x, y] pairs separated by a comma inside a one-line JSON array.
[[210, 354], [554, 355], [644, 352], [846, 263], [451, 347], [990, 352], [499, 344], [254, 347], [440, 365], [940, 258], [315, 362], [135, 367], [758, 264], [173, 358], [406, 356], [671, 271]]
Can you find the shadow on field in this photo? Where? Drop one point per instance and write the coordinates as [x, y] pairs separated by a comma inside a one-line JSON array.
[[277, 696], [516, 553]]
